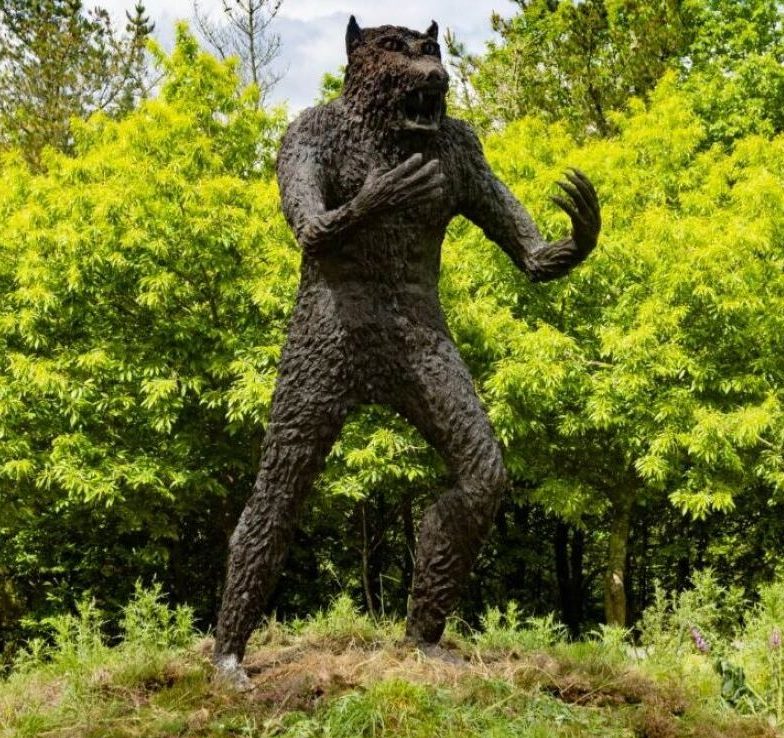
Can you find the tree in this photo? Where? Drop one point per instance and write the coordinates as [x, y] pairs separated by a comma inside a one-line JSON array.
[[652, 376], [144, 279], [58, 62], [571, 61], [245, 32], [582, 62]]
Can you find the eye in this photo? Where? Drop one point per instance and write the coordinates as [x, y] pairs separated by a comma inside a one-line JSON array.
[[393, 44], [430, 48]]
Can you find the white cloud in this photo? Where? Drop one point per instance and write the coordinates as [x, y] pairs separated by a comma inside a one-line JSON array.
[[312, 31]]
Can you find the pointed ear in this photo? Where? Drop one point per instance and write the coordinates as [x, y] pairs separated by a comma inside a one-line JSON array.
[[353, 35], [432, 31]]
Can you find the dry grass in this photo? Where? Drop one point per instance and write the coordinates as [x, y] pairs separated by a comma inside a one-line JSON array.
[[344, 677]]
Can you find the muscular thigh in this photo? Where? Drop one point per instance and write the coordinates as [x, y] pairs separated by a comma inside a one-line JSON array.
[[436, 393], [314, 386]]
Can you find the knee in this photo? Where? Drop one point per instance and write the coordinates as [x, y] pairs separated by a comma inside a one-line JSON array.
[[484, 491], [240, 531]]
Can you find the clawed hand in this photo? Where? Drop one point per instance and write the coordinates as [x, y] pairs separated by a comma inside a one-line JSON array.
[[409, 182], [582, 206]]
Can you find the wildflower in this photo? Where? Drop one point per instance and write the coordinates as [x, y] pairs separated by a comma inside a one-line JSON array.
[[699, 640], [775, 639]]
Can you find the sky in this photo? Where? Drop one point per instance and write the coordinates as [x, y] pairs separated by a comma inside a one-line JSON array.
[[312, 31]]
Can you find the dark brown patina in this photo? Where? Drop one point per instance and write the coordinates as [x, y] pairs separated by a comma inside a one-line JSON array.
[[369, 183]]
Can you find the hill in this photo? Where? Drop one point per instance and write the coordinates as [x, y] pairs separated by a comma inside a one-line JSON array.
[[341, 675]]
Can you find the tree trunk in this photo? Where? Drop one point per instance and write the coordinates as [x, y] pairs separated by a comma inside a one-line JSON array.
[[366, 564], [578, 578], [569, 572], [615, 575], [409, 535]]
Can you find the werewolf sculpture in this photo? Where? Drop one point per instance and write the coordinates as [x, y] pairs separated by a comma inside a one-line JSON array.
[[369, 183]]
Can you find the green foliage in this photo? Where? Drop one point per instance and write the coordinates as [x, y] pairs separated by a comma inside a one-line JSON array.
[[760, 654], [146, 281], [59, 61], [580, 62], [366, 683], [708, 630], [506, 631], [574, 61], [148, 622], [653, 372], [331, 86], [666, 626], [341, 623], [76, 679]]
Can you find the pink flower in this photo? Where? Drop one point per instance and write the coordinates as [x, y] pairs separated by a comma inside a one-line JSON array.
[[699, 641], [775, 639]]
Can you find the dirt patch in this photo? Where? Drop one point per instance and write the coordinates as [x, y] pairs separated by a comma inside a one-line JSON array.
[[297, 678], [300, 676]]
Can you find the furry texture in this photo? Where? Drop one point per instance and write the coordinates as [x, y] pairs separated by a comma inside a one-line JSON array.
[[369, 183]]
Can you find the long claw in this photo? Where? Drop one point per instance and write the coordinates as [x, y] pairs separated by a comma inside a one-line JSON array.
[[579, 173], [580, 184], [567, 206], [575, 190], [588, 195], [577, 198], [590, 188]]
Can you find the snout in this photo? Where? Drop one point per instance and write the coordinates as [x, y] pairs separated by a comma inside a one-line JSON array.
[[430, 74]]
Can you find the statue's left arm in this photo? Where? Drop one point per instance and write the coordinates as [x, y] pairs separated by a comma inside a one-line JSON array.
[[487, 202]]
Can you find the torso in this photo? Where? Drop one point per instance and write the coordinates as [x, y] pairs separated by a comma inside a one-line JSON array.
[[399, 249], [381, 279]]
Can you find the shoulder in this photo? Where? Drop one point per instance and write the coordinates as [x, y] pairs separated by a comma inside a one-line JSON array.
[[313, 125], [309, 139], [460, 134]]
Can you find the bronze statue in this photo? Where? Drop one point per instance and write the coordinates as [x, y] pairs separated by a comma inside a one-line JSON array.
[[369, 183]]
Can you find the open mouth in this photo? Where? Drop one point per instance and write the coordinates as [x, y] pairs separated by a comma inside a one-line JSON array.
[[422, 109]]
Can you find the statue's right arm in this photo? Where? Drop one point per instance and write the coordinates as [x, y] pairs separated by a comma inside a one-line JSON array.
[[303, 187]]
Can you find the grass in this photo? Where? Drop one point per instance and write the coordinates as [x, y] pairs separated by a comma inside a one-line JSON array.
[[340, 675]]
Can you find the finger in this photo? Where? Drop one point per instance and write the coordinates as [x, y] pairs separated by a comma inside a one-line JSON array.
[[588, 216], [414, 184], [375, 174], [407, 187], [577, 202], [436, 178], [583, 177], [575, 195], [585, 189], [411, 164], [589, 196], [423, 191], [594, 198], [568, 207], [428, 171]]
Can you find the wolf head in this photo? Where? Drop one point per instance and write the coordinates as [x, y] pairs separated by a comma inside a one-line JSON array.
[[395, 77]]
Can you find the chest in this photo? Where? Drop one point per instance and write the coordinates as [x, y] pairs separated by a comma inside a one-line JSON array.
[[357, 157]]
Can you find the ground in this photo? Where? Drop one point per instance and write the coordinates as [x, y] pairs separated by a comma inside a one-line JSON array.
[[339, 675]]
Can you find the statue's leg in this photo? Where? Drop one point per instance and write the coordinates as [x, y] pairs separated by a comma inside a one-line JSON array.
[[308, 410], [438, 397]]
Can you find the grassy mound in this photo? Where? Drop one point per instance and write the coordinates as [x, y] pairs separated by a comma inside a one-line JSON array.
[[339, 675]]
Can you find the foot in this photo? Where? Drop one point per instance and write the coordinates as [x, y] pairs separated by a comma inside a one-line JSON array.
[[434, 650], [229, 672]]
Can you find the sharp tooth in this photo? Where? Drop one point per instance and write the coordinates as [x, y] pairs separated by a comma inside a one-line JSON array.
[[421, 97]]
